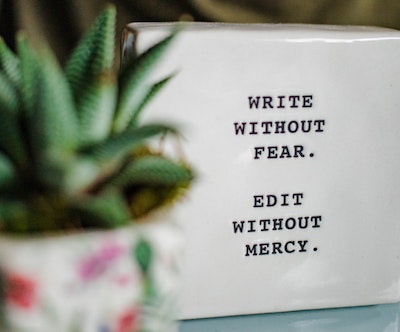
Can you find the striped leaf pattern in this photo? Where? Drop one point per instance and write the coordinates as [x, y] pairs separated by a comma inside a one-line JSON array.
[[134, 85], [69, 137], [89, 73]]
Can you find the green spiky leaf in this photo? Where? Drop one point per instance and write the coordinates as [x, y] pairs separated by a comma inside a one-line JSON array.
[[29, 67], [103, 211], [89, 72], [49, 116], [60, 154], [80, 174], [56, 111], [153, 170], [11, 140], [96, 110], [9, 64], [133, 82], [8, 94], [151, 93], [8, 181], [94, 54], [121, 144]]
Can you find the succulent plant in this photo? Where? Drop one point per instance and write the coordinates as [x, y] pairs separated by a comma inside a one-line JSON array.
[[72, 152]]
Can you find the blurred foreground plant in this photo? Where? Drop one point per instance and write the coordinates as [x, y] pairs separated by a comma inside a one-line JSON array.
[[72, 153]]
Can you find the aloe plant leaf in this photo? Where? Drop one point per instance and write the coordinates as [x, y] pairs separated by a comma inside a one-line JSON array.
[[29, 67], [9, 64], [153, 170], [88, 72], [96, 110], [11, 140], [133, 85], [6, 168], [151, 93], [56, 108], [80, 174], [95, 52], [8, 94], [7, 177], [151, 181], [49, 118], [108, 210], [119, 145]]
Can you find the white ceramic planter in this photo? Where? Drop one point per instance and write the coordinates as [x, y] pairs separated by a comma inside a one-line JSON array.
[[294, 132], [92, 282]]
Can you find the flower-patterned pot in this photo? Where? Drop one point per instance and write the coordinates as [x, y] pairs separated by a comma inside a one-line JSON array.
[[123, 280]]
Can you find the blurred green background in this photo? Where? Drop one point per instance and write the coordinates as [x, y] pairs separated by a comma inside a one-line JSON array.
[[62, 22]]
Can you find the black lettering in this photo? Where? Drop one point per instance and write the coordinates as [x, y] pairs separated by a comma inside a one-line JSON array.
[[267, 102], [281, 105], [263, 223], [238, 226], [276, 248], [298, 151], [253, 101], [306, 128], [280, 127], [302, 245], [307, 101], [251, 229], [290, 251], [251, 250], [264, 248], [285, 153], [294, 100], [293, 127], [258, 201], [257, 151], [320, 124], [290, 223], [272, 152], [253, 128], [285, 203], [303, 225], [297, 198], [240, 128], [271, 200], [266, 125], [277, 224], [316, 220]]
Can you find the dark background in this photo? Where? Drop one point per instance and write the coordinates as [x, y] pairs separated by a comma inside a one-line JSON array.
[[62, 22]]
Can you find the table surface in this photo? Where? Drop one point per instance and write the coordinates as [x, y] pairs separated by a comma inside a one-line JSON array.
[[378, 318]]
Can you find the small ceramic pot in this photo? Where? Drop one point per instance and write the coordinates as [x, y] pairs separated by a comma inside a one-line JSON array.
[[122, 280]]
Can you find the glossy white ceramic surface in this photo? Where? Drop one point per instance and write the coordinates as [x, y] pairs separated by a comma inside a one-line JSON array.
[[294, 132]]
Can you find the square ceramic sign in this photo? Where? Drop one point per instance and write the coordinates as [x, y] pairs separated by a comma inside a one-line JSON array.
[[294, 133]]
